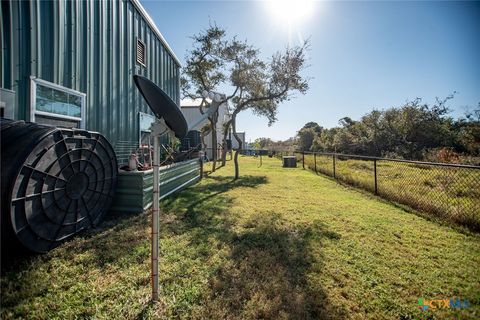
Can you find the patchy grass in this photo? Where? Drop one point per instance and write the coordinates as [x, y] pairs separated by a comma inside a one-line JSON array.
[[276, 244], [447, 193]]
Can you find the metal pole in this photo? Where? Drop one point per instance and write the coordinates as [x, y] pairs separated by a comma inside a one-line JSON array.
[[315, 161], [155, 217], [303, 159], [375, 173], [334, 173], [201, 163]]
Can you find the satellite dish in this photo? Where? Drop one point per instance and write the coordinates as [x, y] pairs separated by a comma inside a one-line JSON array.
[[162, 105], [164, 108]]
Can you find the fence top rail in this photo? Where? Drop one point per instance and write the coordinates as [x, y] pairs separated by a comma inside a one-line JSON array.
[[390, 159]]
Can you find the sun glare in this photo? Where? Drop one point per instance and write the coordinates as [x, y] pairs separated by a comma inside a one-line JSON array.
[[291, 11]]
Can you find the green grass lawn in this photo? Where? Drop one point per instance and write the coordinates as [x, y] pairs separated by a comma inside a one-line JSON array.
[[276, 244], [451, 194]]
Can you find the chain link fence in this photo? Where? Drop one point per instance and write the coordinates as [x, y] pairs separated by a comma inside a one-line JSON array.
[[448, 191]]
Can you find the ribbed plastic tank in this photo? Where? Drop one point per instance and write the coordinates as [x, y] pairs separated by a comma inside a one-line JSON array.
[[289, 162], [55, 183]]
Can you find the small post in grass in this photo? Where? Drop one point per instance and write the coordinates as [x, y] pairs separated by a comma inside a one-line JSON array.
[[375, 174], [303, 159], [334, 173]]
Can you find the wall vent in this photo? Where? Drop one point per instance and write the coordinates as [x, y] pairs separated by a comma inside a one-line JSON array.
[[141, 58]]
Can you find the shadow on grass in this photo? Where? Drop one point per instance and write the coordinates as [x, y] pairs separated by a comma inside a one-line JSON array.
[[108, 242], [113, 238], [203, 209], [263, 274]]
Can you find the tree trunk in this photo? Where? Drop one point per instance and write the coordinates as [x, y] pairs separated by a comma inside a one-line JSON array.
[[213, 122], [203, 134], [202, 139], [240, 145], [214, 143], [224, 142]]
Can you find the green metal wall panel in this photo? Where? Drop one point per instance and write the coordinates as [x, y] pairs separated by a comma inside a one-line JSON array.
[[88, 46], [134, 189]]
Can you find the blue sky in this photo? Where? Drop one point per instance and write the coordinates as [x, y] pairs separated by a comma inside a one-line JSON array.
[[364, 55]]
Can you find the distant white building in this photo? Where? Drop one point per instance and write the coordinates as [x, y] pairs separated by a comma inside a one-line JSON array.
[[191, 112]]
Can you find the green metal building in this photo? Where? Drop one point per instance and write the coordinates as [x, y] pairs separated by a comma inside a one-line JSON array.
[[70, 63]]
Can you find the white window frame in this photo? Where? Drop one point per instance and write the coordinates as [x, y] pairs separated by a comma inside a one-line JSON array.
[[33, 99]]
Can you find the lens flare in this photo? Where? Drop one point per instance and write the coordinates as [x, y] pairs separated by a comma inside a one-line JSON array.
[[290, 11]]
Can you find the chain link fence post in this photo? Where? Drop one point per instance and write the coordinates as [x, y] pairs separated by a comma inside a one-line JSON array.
[[334, 173], [444, 189]]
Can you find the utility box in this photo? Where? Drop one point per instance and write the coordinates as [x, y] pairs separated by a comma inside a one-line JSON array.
[[289, 162]]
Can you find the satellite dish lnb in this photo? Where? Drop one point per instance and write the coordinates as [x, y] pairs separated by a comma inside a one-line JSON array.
[[162, 105]]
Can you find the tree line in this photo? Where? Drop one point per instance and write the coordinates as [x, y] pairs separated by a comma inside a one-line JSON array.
[[415, 131]]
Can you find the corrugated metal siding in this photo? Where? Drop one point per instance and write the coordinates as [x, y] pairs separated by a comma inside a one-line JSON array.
[[134, 189], [88, 46]]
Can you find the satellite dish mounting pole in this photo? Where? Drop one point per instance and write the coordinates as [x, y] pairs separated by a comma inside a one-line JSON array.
[[158, 128], [168, 117], [155, 217]]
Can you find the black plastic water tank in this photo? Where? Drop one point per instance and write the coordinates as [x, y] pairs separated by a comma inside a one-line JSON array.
[[289, 162], [55, 183]]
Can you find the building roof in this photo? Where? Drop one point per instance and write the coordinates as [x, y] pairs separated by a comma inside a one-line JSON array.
[[152, 25], [190, 103]]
